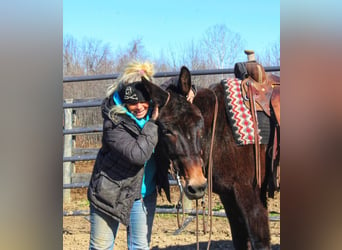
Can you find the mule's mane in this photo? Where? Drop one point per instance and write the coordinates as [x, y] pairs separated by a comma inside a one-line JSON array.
[[179, 111]]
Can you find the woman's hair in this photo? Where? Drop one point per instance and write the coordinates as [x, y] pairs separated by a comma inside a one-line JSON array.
[[132, 73]]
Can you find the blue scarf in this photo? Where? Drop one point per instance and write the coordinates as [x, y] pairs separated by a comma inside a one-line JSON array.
[[141, 122], [149, 182]]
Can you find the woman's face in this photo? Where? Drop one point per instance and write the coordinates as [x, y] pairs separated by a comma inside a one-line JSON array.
[[139, 110]]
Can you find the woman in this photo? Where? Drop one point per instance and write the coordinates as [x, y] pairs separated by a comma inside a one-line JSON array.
[[122, 188]]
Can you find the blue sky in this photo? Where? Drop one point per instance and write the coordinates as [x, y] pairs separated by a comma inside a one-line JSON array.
[[164, 24]]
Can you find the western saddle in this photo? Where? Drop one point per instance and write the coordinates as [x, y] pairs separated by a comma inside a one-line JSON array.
[[260, 93], [265, 89]]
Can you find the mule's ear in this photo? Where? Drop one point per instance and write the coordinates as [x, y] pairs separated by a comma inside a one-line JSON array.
[[158, 95], [184, 81]]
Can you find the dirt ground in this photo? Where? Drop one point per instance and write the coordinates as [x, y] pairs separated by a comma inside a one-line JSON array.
[[76, 229]]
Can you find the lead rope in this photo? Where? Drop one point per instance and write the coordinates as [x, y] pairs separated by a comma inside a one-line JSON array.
[[210, 171], [203, 215], [197, 240], [180, 203], [210, 186]]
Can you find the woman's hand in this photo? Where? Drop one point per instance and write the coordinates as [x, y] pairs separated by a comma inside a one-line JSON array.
[[190, 96], [155, 113]]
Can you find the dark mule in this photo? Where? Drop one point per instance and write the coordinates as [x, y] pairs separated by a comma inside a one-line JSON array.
[[181, 126], [186, 131], [234, 174]]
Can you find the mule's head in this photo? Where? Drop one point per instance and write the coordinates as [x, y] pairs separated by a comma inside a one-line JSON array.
[[181, 126]]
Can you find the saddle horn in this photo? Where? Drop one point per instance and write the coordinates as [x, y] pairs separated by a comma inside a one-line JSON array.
[[250, 55]]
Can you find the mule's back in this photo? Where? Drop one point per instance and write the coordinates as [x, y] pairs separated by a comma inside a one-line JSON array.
[[231, 161], [233, 173]]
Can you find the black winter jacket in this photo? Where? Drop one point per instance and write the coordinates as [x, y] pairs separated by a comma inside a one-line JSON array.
[[119, 167]]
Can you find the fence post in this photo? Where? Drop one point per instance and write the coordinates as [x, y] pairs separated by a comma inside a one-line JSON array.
[[67, 166]]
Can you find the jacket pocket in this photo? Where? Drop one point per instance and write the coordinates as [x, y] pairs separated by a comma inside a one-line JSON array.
[[108, 190]]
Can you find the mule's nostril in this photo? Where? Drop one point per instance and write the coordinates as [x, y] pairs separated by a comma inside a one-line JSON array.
[[204, 187], [191, 190]]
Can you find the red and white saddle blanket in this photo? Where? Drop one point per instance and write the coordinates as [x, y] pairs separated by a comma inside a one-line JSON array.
[[239, 116]]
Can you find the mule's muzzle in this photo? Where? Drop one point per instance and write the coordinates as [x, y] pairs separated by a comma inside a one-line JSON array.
[[193, 180], [195, 191]]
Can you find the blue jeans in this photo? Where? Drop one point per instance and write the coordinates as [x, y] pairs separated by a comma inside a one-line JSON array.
[[103, 228]]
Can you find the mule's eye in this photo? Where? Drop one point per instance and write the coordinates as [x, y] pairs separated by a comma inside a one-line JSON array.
[[171, 136], [167, 132]]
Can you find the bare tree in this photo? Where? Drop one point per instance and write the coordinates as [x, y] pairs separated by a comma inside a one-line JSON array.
[[271, 56], [72, 57], [222, 46], [192, 56], [161, 63], [88, 57], [189, 54], [96, 57], [134, 51]]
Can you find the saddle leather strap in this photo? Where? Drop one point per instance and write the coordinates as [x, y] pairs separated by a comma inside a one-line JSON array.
[[275, 102], [274, 153], [275, 112], [256, 134]]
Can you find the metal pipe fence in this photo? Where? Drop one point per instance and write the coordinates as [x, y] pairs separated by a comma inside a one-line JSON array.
[[69, 132], [97, 102], [160, 74]]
